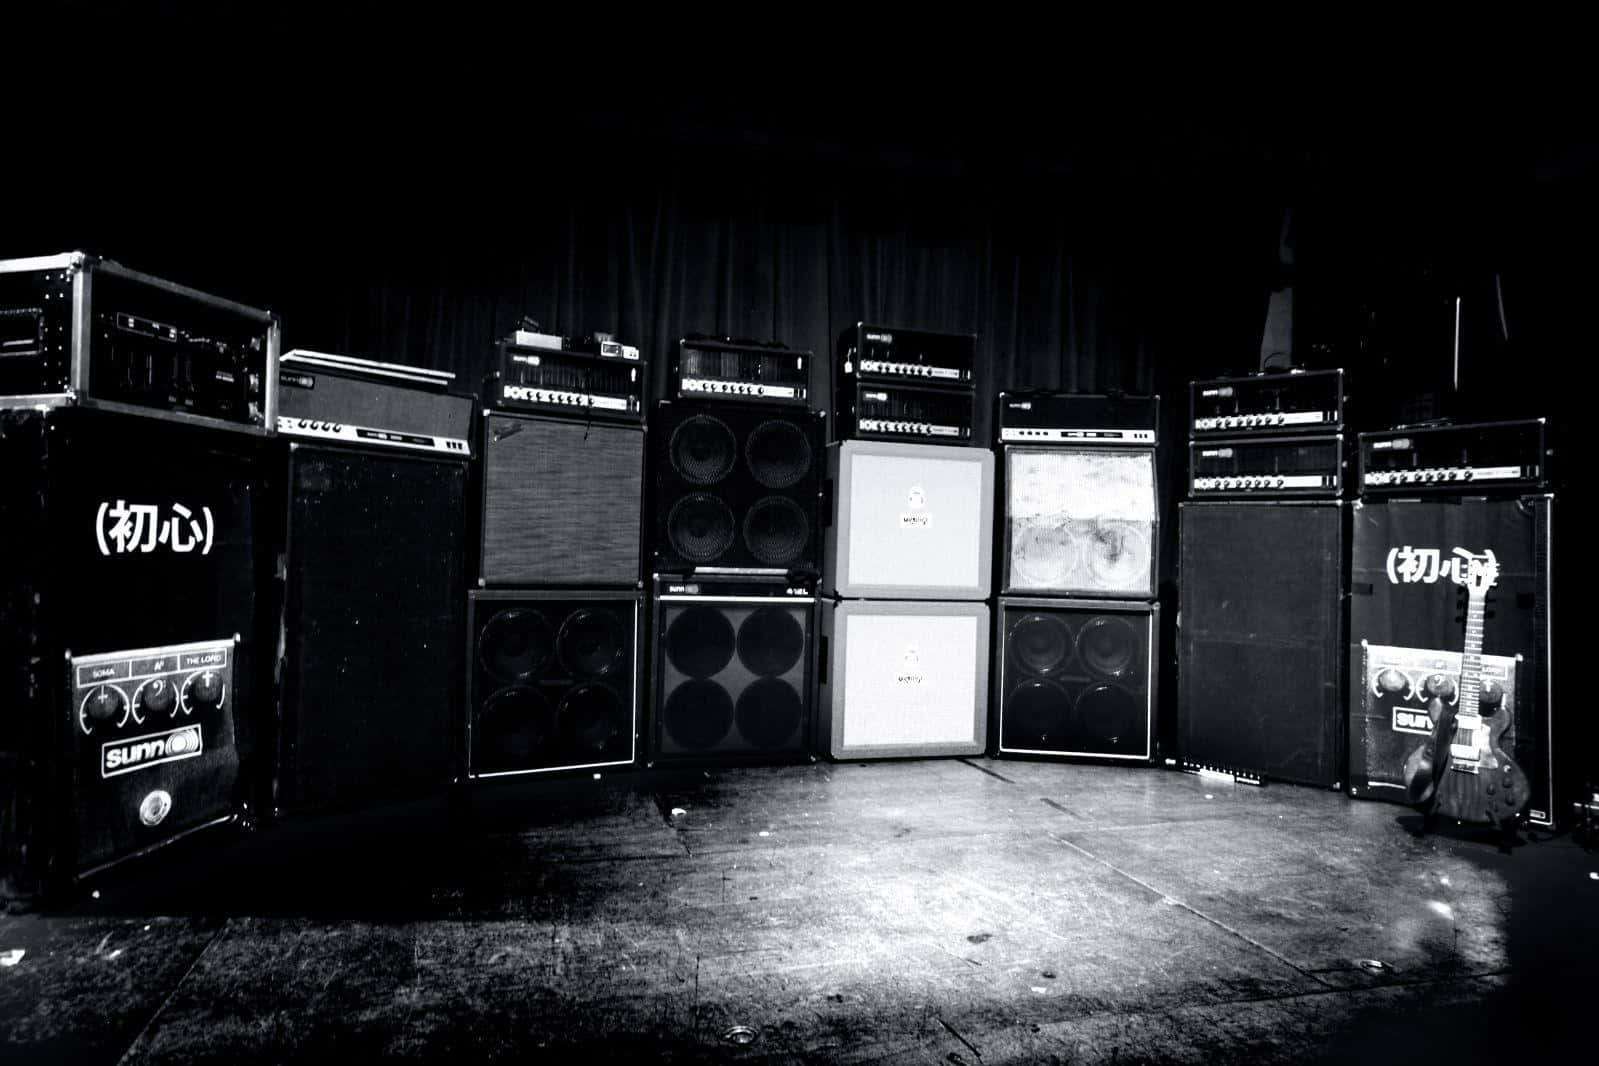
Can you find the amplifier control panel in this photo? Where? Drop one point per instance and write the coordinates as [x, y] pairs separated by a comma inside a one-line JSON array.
[[1283, 466], [1488, 456], [1299, 401]]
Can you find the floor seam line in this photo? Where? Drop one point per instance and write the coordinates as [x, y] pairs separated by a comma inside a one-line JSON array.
[[1174, 901], [167, 1000]]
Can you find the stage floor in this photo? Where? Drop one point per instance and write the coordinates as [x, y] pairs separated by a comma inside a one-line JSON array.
[[948, 911]]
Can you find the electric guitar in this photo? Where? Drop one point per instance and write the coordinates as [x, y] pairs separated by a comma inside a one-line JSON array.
[[1460, 771]]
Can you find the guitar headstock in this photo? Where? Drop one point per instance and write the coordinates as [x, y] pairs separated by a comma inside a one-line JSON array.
[[1477, 572]]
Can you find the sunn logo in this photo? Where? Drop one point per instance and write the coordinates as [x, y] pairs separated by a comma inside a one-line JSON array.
[[136, 753]]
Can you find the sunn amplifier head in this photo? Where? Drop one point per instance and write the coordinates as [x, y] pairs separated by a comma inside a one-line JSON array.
[[1077, 678], [746, 371], [910, 521], [593, 387], [1080, 521], [902, 678], [893, 411], [734, 665], [888, 353], [1497, 457], [1266, 466], [736, 488], [1040, 417], [1307, 401], [553, 681]]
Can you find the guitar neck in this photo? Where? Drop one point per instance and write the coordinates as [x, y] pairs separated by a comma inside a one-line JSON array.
[[1471, 656]]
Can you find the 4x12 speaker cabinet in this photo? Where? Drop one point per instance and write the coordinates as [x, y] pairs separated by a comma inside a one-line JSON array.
[[736, 488], [1406, 608], [129, 543], [372, 626], [553, 681], [903, 678], [734, 671], [910, 521], [1077, 678], [562, 502], [1080, 521], [1259, 639]]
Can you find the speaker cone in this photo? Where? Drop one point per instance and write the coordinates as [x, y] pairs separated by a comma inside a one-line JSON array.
[[591, 716], [700, 528], [513, 729], [769, 713], [778, 454], [703, 450], [698, 714], [776, 530], [699, 641], [591, 643], [515, 646], [1040, 644], [1118, 557], [1113, 717], [1036, 712], [1043, 554], [1108, 647], [770, 641]]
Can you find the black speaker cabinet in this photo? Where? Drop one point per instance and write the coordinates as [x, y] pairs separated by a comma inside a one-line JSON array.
[[562, 502], [736, 487], [129, 543], [734, 670], [553, 681], [372, 626], [1259, 639], [1077, 678], [1407, 616]]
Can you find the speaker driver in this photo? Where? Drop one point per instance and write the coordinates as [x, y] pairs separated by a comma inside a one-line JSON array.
[[698, 714], [516, 645], [769, 713], [1111, 715], [1043, 554], [778, 454], [776, 530], [703, 450], [1035, 713], [591, 716], [1118, 556], [514, 728], [591, 643], [770, 641], [700, 528], [1040, 644], [699, 641], [1108, 647]]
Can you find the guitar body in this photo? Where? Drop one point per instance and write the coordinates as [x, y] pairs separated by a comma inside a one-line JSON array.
[[1495, 793]]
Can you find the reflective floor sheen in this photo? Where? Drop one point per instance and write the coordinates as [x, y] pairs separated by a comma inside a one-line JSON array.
[[943, 911]]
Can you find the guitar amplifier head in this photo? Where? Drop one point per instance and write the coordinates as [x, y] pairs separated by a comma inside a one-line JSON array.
[[1037, 417], [1498, 457], [918, 356], [362, 402], [721, 368], [591, 387], [1266, 466], [893, 410], [1302, 401]]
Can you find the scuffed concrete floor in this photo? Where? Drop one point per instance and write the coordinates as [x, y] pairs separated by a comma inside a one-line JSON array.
[[944, 911]]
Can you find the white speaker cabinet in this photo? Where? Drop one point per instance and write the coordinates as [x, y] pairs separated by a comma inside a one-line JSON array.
[[903, 678], [909, 521]]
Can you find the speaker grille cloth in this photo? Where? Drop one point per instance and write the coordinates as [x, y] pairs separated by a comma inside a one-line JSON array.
[[1075, 681], [1081, 521], [909, 679]]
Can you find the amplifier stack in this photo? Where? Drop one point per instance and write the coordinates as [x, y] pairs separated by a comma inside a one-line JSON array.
[[1261, 569], [1077, 654]]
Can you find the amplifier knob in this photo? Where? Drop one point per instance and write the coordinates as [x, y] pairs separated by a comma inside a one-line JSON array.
[[1466, 475], [1281, 481], [202, 692], [104, 706], [155, 697], [1279, 419]]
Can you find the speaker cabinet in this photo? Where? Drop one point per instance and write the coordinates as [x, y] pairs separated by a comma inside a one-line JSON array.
[[1260, 635], [1407, 617], [561, 502], [1077, 678], [128, 541], [734, 671], [372, 626], [1080, 522], [904, 678], [910, 521], [553, 681], [736, 487]]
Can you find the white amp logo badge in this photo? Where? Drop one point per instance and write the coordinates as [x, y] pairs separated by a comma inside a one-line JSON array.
[[136, 753], [123, 528]]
